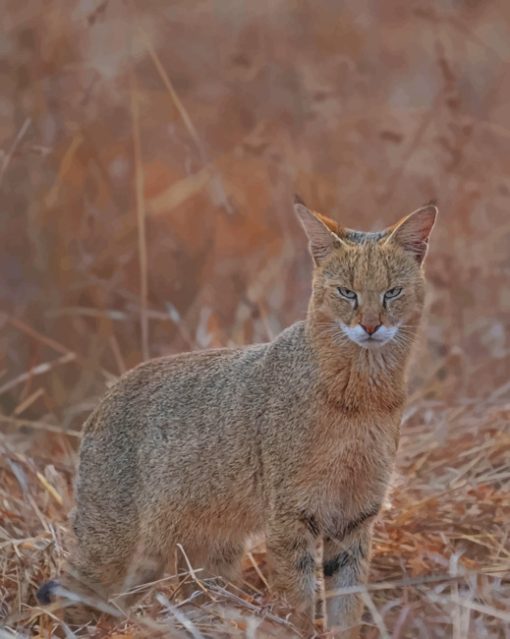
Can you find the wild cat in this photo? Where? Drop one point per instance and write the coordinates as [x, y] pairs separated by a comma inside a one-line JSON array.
[[295, 438]]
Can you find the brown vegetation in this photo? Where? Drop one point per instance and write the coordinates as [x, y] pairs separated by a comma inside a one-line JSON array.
[[150, 153]]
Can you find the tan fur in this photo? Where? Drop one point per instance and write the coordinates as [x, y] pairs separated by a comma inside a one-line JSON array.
[[295, 438]]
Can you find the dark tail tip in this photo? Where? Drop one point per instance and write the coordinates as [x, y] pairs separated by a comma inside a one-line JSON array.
[[45, 594]]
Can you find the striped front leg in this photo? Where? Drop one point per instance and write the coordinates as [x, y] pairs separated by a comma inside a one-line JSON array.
[[346, 564]]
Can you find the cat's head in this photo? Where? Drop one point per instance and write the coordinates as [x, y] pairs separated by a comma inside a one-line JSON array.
[[368, 286]]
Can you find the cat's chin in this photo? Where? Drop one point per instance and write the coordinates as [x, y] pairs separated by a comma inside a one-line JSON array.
[[373, 344]]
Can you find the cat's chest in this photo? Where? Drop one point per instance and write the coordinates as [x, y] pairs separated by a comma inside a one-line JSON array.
[[353, 469]]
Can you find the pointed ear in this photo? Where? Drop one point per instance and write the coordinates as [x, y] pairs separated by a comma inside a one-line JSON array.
[[320, 230], [412, 232]]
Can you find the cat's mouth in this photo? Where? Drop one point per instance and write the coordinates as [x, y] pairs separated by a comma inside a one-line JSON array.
[[359, 336], [372, 342]]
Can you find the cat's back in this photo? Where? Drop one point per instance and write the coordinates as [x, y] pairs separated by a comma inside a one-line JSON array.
[[200, 387], [172, 387]]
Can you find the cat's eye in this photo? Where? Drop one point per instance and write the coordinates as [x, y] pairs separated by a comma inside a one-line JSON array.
[[392, 293], [347, 293]]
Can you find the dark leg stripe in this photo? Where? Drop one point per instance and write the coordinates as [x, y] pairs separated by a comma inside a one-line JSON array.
[[351, 526], [333, 565], [306, 563], [311, 523]]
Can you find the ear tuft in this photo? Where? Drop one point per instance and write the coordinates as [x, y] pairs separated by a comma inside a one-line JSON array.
[[319, 230], [413, 231]]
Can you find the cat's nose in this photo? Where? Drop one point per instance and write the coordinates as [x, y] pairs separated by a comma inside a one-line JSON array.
[[370, 328]]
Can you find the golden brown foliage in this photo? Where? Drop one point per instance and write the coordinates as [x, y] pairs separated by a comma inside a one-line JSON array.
[[150, 154]]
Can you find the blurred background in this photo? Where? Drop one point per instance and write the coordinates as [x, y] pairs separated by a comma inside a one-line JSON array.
[[149, 153]]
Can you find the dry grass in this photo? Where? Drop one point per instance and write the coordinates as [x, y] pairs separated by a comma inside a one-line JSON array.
[[442, 556], [149, 157]]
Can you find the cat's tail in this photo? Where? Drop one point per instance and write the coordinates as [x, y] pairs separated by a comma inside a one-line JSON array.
[[78, 603], [70, 610], [47, 593]]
